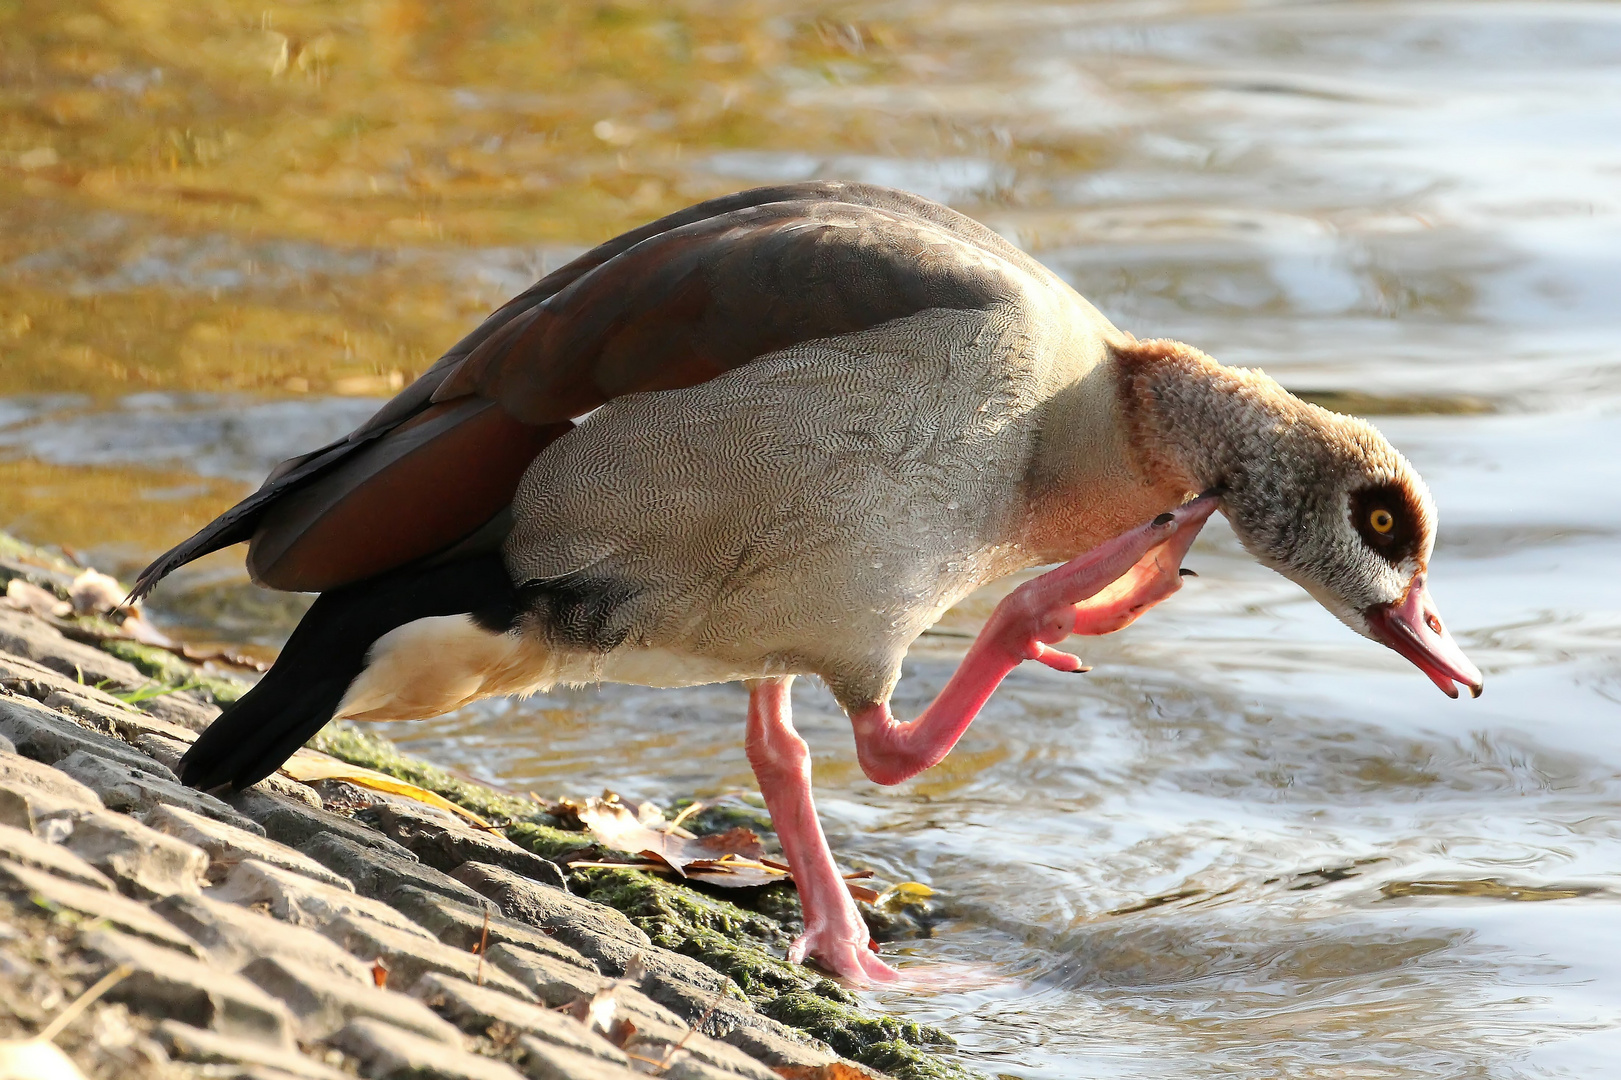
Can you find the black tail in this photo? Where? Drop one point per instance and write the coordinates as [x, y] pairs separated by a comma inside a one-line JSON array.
[[295, 699]]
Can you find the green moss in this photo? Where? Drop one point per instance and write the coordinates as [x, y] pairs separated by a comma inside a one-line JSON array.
[[153, 662], [718, 819], [760, 975], [854, 1033], [906, 1062], [345, 742], [170, 670], [670, 912], [547, 841], [728, 937]]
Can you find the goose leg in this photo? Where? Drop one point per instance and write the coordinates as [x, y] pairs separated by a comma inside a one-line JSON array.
[[1095, 593], [835, 933]]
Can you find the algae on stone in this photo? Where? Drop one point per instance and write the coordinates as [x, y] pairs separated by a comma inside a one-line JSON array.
[[172, 672], [728, 937], [894, 1046], [347, 743]]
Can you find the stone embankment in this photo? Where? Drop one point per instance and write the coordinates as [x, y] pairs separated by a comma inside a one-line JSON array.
[[320, 930]]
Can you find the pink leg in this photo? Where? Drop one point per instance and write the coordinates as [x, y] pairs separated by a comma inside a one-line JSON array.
[[1096, 593], [834, 931]]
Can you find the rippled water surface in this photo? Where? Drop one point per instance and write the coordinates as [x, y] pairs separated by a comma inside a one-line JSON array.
[[1249, 844]]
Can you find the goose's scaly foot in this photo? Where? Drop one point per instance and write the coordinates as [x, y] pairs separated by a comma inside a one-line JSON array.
[[835, 934], [1095, 593]]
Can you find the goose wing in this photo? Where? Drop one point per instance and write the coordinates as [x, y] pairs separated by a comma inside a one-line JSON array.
[[672, 304]]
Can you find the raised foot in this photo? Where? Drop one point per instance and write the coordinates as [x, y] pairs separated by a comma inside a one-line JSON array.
[[849, 954], [1101, 591]]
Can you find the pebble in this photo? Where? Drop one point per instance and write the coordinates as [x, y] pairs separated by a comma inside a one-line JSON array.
[[445, 843], [294, 823], [304, 901], [227, 846], [778, 1050], [47, 736], [552, 981], [235, 936], [96, 903], [408, 957], [42, 643], [139, 790], [145, 863], [165, 984], [543, 1060], [182, 1042], [475, 1009], [387, 1053], [377, 873], [23, 847], [323, 1004], [599, 932], [463, 926], [30, 790]]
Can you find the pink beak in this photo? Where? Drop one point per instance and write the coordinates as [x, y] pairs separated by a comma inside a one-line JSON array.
[[1413, 628]]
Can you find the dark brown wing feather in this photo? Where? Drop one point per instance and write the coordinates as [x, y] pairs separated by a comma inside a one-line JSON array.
[[669, 305]]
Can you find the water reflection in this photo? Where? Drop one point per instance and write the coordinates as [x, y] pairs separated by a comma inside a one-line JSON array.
[[1248, 843]]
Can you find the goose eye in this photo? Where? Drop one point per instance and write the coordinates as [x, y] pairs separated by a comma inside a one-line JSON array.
[[1382, 521]]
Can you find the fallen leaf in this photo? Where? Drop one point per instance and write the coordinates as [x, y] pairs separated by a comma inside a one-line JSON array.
[[600, 1010], [22, 596], [838, 1070], [95, 593], [904, 894], [308, 766], [734, 859]]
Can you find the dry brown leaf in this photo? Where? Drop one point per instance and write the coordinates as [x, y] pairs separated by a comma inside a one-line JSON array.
[[734, 859], [600, 1011], [838, 1070], [308, 766]]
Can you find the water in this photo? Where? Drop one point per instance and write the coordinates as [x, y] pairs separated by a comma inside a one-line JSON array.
[[1249, 843]]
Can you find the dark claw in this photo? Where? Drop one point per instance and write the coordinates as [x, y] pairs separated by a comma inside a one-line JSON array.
[[1185, 572], [1081, 670], [1165, 518]]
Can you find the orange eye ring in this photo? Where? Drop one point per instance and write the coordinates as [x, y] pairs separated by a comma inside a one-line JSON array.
[[1381, 521]]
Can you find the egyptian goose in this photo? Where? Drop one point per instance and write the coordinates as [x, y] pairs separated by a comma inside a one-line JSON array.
[[776, 434]]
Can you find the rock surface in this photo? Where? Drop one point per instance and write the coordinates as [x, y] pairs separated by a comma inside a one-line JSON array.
[[267, 936]]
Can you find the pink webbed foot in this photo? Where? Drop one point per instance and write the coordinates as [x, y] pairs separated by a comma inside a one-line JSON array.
[[1102, 591], [847, 951]]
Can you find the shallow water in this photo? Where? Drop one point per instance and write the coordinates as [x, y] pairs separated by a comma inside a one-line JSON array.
[[1248, 843]]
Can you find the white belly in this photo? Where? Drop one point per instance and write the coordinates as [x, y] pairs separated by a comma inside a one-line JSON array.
[[435, 665]]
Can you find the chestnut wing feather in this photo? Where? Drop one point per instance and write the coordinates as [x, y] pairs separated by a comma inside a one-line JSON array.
[[669, 305]]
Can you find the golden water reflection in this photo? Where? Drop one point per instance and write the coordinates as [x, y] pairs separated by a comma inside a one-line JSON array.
[[1249, 843]]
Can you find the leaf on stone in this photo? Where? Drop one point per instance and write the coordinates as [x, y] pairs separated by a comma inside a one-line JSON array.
[[733, 859], [837, 1070], [308, 766], [600, 1011]]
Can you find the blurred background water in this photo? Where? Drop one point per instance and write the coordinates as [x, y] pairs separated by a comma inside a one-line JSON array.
[[1249, 843]]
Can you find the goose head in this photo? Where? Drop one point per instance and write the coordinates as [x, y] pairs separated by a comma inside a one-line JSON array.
[[1321, 497]]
